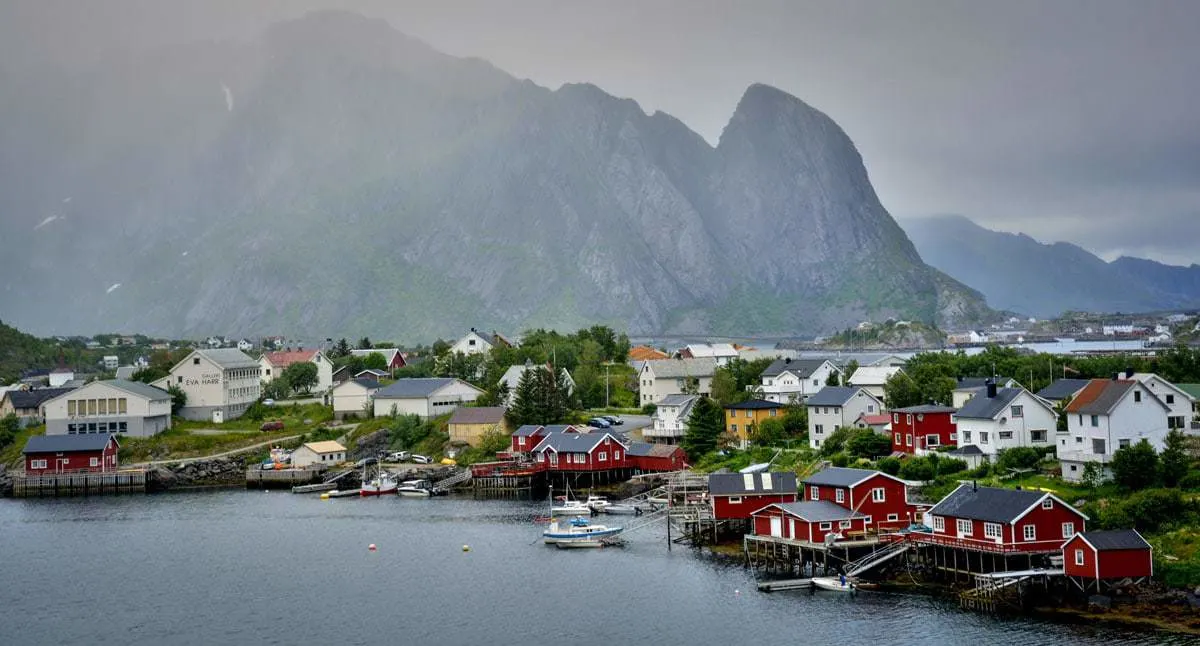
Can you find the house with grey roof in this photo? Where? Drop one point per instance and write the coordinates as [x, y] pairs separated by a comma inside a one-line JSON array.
[[424, 397], [129, 408], [967, 387], [478, 342], [1002, 418], [220, 383], [794, 380], [835, 407], [669, 423], [873, 378], [657, 379], [1106, 416], [28, 404], [1062, 390], [353, 397]]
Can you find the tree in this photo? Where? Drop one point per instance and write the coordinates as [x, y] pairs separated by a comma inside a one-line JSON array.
[[10, 425], [889, 465], [1093, 475], [724, 387], [373, 361], [1135, 467], [705, 426], [1019, 457], [866, 443], [341, 349], [770, 431], [920, 469], [301, 376], [1174, 460], [364, 344], [837, 440], [1060, 410], [833, 379], [524, 408], [901, 391], [621, 349], [849, 372], [178, 398]]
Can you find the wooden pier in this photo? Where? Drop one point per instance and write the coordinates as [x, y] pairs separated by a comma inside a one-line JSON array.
[[258, 478], [80, 484]]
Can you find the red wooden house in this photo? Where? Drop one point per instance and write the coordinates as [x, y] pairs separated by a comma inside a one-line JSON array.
[[738, 495], [1104, 555], [988, 519], [881, 498], [917, 429], [811, 522], [645, 457], [45, 454], [525, 438], [570, 451]]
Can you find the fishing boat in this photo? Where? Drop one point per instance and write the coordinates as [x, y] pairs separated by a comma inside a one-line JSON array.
[[568, 506], [598, 504], [383, 484], [579, 532], [415, 489], [834, 584]]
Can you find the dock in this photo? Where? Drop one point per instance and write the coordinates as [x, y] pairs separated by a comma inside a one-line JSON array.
[[80, 484], [786, 584], [258, 478]]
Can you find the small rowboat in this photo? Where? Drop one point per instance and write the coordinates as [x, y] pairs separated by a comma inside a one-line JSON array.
[[834, 584]]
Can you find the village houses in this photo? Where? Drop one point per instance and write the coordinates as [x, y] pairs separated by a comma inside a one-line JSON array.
[[834, 407], [273, 364], [476, 342], [793, 380], [873, 378], [669, 423], [658, 379], [512, 378], [1108, 415], [742, 418], [1002, 418], [353, 398], [917, 430], [220, 384], [116, 406], [392, 357], [425, 397]]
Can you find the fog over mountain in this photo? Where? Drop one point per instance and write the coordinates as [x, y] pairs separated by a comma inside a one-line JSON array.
[[335, 176]]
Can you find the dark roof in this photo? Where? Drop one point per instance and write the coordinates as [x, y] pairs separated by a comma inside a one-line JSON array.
[[1115, 539], [405, 388], [570, 442], [839, 476], [983, 407], [963, 383], [34, 398], [818, 511], [647, 449], [137, 388], [986, 503], [802, 368], [754, 404], [734, 484], [369, 384], [477, 415], [559, 428], [832, 396], [969, 449], [66, 443], [1062, 388], [926, 408], [528, 430]]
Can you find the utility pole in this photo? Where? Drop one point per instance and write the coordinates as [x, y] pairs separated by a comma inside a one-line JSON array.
[[606, 385]]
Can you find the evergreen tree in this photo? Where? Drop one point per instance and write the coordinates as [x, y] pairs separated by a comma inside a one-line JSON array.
[[705, 426], [1174, 460], [342, 348], [525, 408]]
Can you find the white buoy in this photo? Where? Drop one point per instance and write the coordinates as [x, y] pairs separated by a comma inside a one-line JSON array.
[[466, 548]]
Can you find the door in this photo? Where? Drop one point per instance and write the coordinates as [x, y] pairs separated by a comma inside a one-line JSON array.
[[58, 464], [776, 526], [791, 528]]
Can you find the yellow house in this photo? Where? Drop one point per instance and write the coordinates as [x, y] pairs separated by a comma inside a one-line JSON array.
[[468, 425], [742, 418]]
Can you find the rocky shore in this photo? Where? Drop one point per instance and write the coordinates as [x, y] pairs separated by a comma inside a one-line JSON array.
[[229, 471]]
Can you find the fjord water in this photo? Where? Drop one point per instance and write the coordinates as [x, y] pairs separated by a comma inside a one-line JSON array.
[[277, 568]]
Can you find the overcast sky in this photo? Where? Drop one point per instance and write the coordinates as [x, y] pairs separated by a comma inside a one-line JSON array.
[[1073, 120]]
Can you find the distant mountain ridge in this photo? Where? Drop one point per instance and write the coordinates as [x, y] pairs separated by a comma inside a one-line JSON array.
[[1017, 273], [338, 177]]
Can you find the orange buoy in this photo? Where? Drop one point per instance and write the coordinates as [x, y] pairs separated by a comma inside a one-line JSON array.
[[371, 547]]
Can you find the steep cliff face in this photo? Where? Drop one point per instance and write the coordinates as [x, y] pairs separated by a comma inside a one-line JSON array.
[[337, 177]]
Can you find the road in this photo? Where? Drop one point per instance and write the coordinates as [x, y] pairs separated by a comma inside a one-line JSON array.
[[225, 454]]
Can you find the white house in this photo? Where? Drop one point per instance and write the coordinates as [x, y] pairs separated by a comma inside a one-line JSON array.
[[327, 453], [794, 380], [1179, 401], [59, 377], [669, 423], [426, 397], [512, 377], [968, 387], [220, 384], [111, 361], [114, 406], [722, 353], [1107, 415], [273, 364], [872, 378], [834, 407], [476, 342], [658, 379], [245, 345], [354, 397], [1002, 418]]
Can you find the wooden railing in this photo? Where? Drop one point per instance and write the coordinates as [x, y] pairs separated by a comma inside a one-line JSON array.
[[979, 545]]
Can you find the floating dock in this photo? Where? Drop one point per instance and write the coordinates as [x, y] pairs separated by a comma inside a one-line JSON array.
[[80, 484]]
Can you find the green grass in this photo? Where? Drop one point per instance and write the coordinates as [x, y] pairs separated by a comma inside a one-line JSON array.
[[179, 443], [11, 455]]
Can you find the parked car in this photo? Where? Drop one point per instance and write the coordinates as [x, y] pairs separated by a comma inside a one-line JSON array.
[[268, 402], [398, 456], [422, 459], [613, 419], [273, 425], [599, 422], [365, 461]]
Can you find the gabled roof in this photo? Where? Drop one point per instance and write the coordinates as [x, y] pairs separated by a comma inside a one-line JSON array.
[[478, 415], [328, 446], [646, 353], [225, 358], [34, 398], [369, 384], [1062, 388], [926, 409], [417, 387], [137, 388], [701, 350], [374, 372], [571, 442], [754, 404], [1191, 389], [561, 428], [969, 449], [1115, 539], [288, 357], [834, 396], [528, 430], [679, 368], [802, 368], [875, 420], [678, 399], [1101, 396], [816, 511], [1145, 377], [650, 450], [843, 477], [983, 407], [66, 443], [125, 372], [873, 375], [990, 504], [389, 354], [512, 376], [735, 484]]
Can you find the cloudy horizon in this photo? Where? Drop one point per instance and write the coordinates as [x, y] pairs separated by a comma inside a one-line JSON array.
[[1068, 121]]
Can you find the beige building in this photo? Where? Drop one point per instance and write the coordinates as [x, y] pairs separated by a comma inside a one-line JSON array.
[[353, 398], [220, 384], [469, 425], [328, 453], [427, 397], [272, 364], [116, 406], [658, 379]]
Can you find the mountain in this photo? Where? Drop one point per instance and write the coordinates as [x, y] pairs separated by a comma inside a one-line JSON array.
[[337, 177], [1017, 273]]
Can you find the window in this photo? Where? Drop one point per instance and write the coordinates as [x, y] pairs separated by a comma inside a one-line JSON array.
[[179, 379], [820, 428], [554, 459], [1095, 421], [908, 419], [122, 426], [983, 437], [939, 524], [1068, 530], [37, 464], [1079, 557], [1037, 436], [992, 530], [826, 526], [932, 440], [91, 427], [616, 455], [71, 408], [1122, 444], [735, 500], [773, 411], [1170, 399], [964, 527], [895, 418], [893, 517], [1137, 396], [603, 457], [103, 406], [1098, 446], [814, 493], [954, 437], [1074, 468], [94, 462], [1079, 440], [845, 524], [580, 458], [1005, 435], [520, 441], [123, 405], [196, 361], [1030, 532], [908, 439], [840, 495], [91, 406], [966, 436], [1048, 503], [112, 405], [1018, 411], [878, 494], [733, 428]]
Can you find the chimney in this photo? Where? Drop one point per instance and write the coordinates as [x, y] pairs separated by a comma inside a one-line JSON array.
[[787, 360], [1129, 373], [991, 388]]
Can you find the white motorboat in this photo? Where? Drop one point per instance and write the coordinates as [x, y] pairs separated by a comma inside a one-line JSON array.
[[415, 489], [597, 503], [579, 532], [834, 584]]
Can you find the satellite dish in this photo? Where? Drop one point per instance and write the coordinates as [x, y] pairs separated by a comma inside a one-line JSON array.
[[1003, 420]]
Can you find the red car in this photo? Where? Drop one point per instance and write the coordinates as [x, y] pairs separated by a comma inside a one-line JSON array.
[[272, 426]]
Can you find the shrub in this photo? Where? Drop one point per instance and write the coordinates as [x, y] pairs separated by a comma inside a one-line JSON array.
[[1135, 467], [836, 441], [889, 465], [1147, 511], [839, 460], [920, 469], [649, 409], [1190, 482], [982, 471], [949, 466], [866, 443], [1019, 457]]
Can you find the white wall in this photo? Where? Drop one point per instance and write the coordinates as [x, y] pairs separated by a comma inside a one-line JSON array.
[[830, 418], [351, 398], [472, 343], [1033, 417]]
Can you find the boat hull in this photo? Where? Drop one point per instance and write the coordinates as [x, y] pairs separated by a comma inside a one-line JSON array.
[[376, 492], [415, 494], [833, 584]]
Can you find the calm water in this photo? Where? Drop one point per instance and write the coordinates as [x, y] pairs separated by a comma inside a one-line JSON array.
[[276, 568]]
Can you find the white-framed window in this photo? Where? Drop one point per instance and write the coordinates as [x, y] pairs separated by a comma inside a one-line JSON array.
[[616, 455], [878, 494], [845, 524], [908, 439], [939, 524], [94, 462], [814, 493], [603, 457], [554, 459], [37, 464], [1018, 411], [735, 500], [983, 437], [1038, 436], [1048, 504], [1030, 532], [820, 429], [895, 418], [826, 526], [840, 494], [954, 437], [966, 436], [992, 530], [1006, 435], [580, 458], [521, 441], [1068, 530], [908, 419], [1079, 559], [541, 457], [932, 440], [893, 517], [964, 527]]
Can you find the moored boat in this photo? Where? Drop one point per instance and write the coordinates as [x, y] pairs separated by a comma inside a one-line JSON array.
[[415, 489], [579, 532], [834, 584], [383, 484]]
